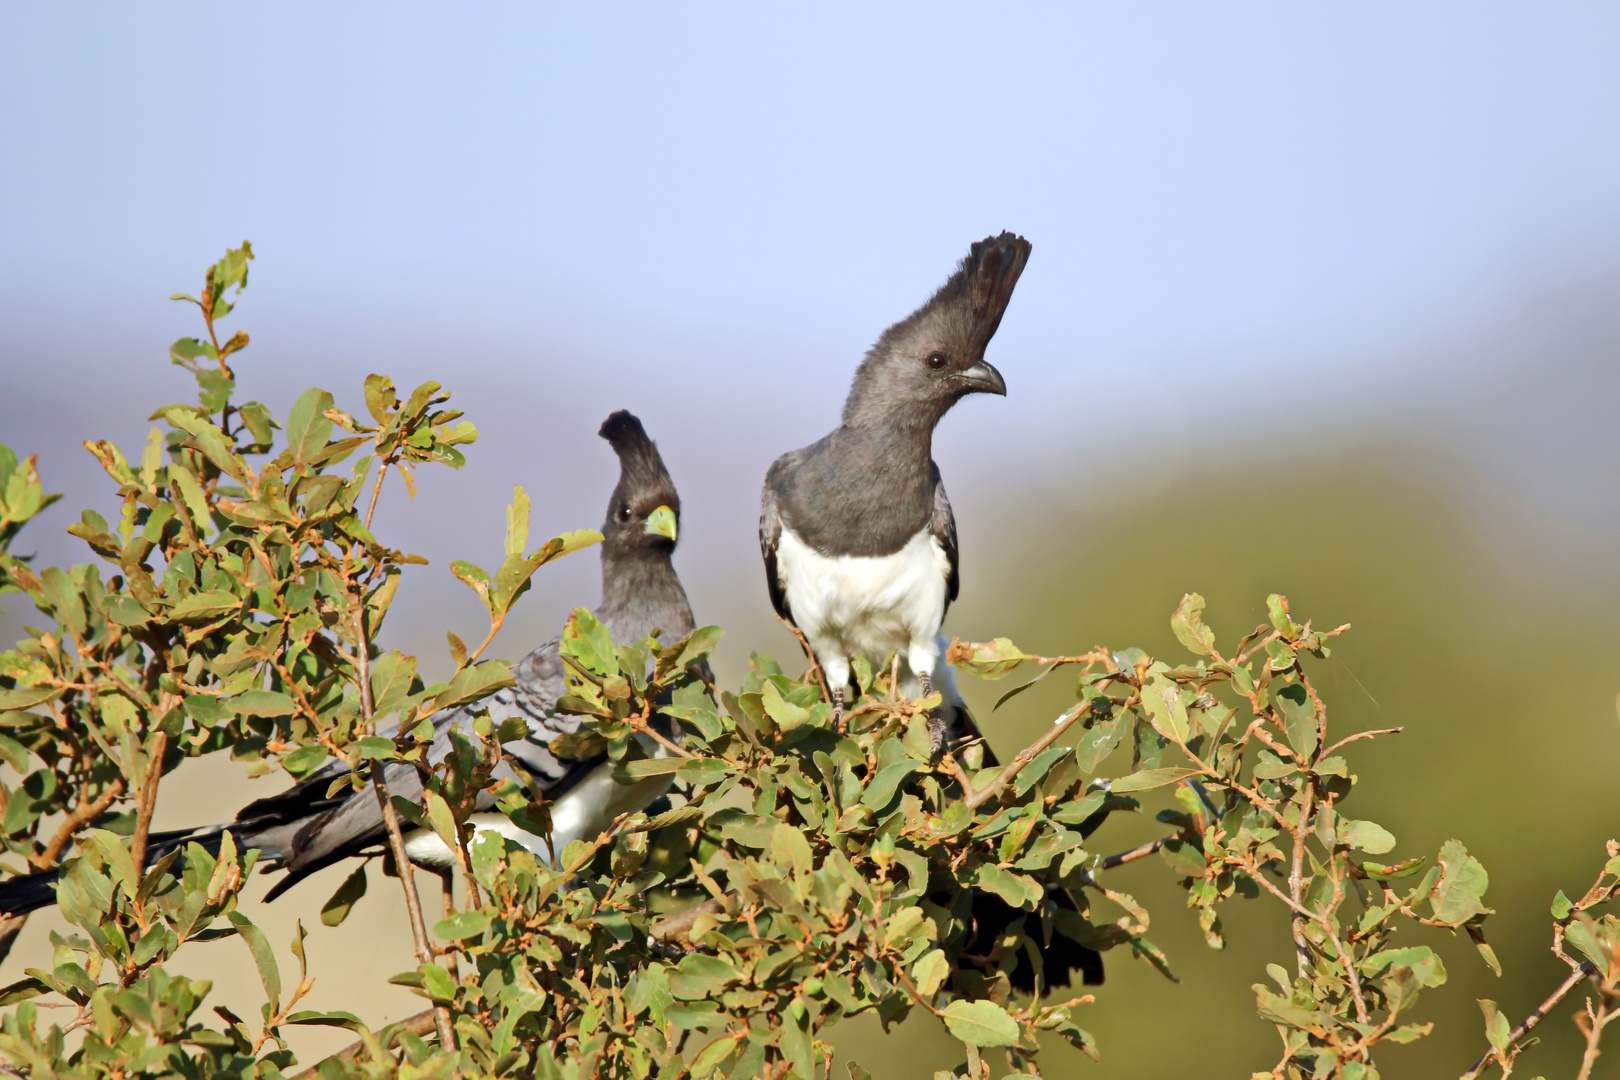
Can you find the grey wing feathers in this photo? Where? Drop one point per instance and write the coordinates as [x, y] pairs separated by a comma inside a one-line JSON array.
[[329, 829], [770, 535], [944, 526]]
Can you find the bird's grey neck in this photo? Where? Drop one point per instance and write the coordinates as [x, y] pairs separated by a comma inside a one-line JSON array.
[[641, 593], [864, 490], [891, 416]]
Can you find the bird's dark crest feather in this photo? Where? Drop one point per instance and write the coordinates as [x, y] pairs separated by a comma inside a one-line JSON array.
[[641, 466], [983, 283]]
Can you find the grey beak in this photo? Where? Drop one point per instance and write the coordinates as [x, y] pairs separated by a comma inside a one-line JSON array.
[[981, 378]]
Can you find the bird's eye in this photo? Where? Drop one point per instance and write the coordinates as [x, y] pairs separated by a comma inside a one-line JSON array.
[[624, 513], [936, 360]]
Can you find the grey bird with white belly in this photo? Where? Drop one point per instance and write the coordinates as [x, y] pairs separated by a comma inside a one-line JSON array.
[[305, 829], [858, 536]]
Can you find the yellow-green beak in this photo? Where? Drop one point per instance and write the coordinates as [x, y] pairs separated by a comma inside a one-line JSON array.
[[661, 522]]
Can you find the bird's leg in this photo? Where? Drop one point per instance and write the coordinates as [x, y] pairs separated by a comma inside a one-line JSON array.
[[936, 718], [838, 710]]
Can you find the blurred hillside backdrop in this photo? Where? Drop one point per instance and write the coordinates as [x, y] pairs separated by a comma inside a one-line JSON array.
[[1322, 302]]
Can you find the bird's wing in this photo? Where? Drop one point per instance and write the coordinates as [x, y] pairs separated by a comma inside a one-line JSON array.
[[944, 527], [770, 533], [351, 821]]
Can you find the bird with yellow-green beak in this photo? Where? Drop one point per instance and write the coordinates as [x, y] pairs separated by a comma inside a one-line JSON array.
[[316, 823]]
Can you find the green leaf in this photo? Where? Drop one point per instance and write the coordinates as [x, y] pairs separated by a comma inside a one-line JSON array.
[[1189, 628], [1456, 897], [191, 493], [930, 972], [335, 910], [517, 522], [442, 820], [880, 791], [1018, 890], [392, 676], [588, 643], [205, 606], [1562, 906], [1277, 609], [993, 660], [1161, 700], [1299, 719], [472, 683], [641, 768], [1280, 1010], [308, 429], [1587, 938], [1367, 836], [1422, 960], [437, 982], [786, 714], [1403, 869], [698, 977], [981, 1023], [1148, 779], [304, 760], [791, 850], [120, 864], [263, 957], [1497, 1027], [797, 1040], [210, 440], [263, 703], [475, 578], [462, 925], [1099, 741]]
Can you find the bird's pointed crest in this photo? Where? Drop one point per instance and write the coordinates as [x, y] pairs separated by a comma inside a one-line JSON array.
[[641, 467], [983, 283]]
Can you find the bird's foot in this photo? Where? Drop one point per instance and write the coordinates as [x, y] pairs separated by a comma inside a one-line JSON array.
[[936, 720], [936, 733], [838, 711]]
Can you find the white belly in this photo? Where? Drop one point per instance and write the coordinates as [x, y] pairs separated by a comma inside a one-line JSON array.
[[584, 812], [866, 605]]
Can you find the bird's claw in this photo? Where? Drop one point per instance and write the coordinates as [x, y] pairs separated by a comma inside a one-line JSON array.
[[936, 733]]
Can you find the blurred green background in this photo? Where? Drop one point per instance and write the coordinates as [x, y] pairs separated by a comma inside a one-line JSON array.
[[1322, 302]]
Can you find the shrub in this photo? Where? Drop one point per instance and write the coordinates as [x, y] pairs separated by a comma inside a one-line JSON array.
[[804, 872]]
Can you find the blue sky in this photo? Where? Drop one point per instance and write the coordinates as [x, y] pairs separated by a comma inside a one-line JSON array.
[[705, 213], [1192, 175]]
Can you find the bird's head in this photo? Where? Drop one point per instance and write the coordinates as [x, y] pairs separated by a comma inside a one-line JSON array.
[[931, 359], [645, 511]]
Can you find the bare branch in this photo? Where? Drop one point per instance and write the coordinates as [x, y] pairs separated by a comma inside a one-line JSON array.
[[87, 812], [146, 800], [1539, 1013], [975, 799]]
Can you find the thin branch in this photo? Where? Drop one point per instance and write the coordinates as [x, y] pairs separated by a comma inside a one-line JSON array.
[[496, 621], [810, 655], [1586, 970], [677, 925], [1362, 735], [977, 798], [413, 902], [396, 838], [376, 489], [1296, 884], [146, 800], [420, 1024], [86, 813], [1141, 851], [1596, 1021]]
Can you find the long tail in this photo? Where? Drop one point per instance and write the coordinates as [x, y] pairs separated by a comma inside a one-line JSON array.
[[30, 892]]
